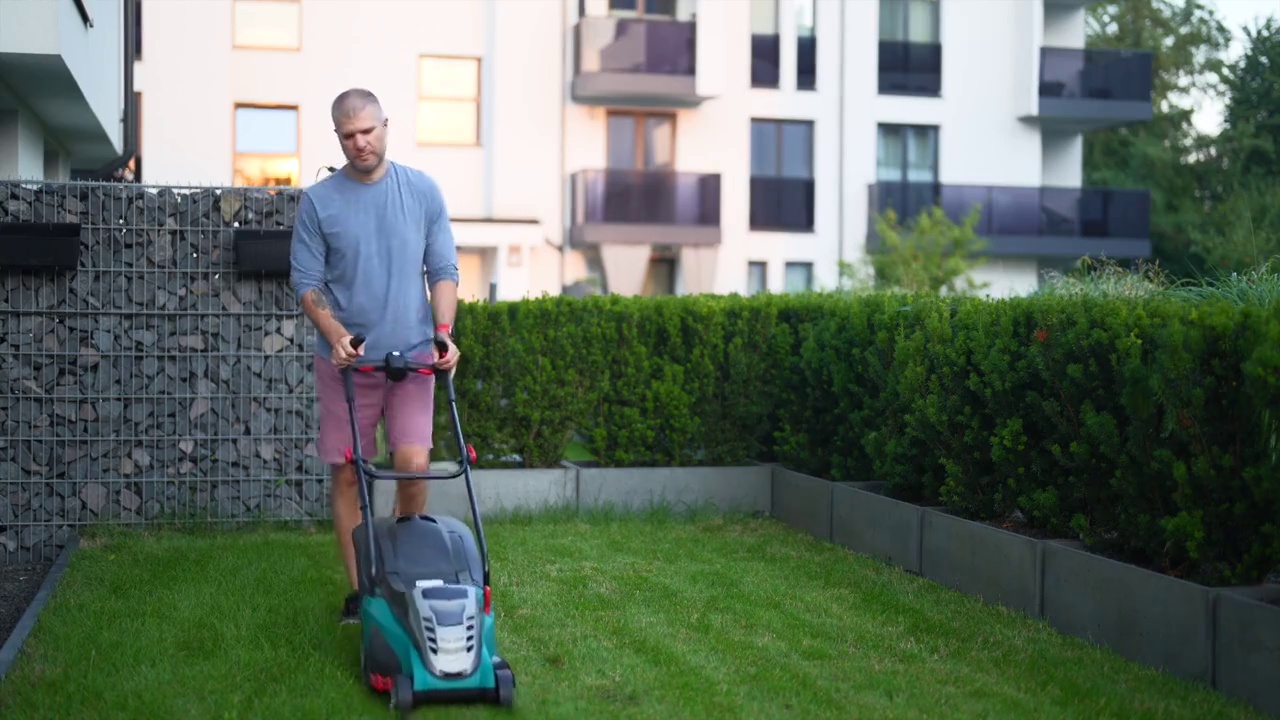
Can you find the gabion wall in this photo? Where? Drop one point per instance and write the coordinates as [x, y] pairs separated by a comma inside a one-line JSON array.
[[154, 381]]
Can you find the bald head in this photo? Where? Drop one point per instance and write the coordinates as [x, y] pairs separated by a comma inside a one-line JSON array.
[[351, 103], [361, 127]]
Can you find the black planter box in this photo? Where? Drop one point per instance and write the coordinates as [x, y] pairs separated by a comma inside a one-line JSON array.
[[262, 252], [39, 246]]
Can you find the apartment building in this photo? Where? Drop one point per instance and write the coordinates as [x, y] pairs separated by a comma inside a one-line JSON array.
[[66, 72], [668, 146]]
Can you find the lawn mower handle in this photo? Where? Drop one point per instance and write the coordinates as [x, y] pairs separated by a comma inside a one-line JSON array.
[[397, 367], [442, 347]]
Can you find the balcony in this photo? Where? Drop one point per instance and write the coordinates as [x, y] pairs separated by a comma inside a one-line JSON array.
[[1031, 221], [645, 206], [782, 204], [910, 68], [635, 62], [766, 60], [1088, 89]]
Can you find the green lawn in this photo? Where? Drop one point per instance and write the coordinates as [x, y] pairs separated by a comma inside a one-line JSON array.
[[608, 616]]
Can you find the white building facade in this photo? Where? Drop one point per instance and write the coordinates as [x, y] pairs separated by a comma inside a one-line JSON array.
[[65, 88], [666, 146]]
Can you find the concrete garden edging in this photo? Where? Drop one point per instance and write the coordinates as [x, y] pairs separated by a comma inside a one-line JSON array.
[[13, 644], [1226, 638], [745, 488]]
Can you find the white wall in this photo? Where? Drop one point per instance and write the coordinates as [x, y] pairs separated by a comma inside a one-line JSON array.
[[92, 56], [982, 138], [534, 137], [95, 57], [511, 174]]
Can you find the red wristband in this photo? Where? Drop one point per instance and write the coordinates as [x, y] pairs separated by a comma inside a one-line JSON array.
[[445, 328]]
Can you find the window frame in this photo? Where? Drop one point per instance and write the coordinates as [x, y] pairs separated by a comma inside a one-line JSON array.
[[477, 101]]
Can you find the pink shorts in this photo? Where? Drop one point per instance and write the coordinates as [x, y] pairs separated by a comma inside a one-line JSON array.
[[408, 407]]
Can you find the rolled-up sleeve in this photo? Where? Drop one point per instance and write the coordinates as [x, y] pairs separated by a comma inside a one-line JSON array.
[[307, 250], [441, 255]]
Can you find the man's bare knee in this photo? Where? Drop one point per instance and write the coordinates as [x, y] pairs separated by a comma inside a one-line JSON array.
[[412, 459], [343, 476]]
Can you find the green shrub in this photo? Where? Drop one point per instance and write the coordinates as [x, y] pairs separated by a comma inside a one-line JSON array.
[[1143, 423]]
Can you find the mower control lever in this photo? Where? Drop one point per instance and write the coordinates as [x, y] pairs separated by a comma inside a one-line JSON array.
[[395, 365]]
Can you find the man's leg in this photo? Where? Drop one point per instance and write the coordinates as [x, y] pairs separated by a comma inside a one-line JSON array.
[[410, 411], [332, 445]]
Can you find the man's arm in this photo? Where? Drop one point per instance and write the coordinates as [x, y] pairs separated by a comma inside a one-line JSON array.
[[307, 258], [441, 262]]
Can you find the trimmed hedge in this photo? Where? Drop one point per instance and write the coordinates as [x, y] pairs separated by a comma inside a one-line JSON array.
[[1146, 427]]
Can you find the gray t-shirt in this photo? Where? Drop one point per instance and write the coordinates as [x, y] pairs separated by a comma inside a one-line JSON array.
[[366, 246]]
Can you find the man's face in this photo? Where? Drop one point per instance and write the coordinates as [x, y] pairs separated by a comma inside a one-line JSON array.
[[364, 138]]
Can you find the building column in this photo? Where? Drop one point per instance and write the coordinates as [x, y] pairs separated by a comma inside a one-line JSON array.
[[625, 267], [21, 146], [698, 268]]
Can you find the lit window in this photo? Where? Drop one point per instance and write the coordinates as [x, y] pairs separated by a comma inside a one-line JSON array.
[[266, 146], [267, 24], [448, 101]]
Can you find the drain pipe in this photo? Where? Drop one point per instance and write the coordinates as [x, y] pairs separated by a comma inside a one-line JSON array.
[[570, 45], [843, 163]]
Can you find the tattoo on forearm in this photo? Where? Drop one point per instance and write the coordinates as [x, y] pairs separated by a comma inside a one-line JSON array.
[[318, 299]]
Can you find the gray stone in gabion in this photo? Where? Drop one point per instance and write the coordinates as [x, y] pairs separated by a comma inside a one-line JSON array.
[[154, 381]]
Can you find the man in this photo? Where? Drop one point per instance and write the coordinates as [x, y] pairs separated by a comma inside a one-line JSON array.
[[361, 241]]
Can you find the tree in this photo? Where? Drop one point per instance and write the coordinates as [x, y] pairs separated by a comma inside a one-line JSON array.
[[1250, 140], [1187, 42], [1241, 174], [932, 253]]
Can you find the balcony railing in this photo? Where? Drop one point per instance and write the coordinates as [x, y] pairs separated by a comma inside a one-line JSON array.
[[1095, 74], [623, 45], [910, 68], [766, 59], [646, 197], [782, 203], [1026, 211]]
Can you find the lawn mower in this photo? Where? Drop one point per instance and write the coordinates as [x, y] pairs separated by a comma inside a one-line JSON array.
[[426, 613]]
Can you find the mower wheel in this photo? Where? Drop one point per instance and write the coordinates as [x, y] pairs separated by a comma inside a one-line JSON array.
[[506, 684], [402, 694]]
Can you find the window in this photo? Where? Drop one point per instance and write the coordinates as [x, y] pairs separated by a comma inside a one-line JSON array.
[[782, 175], [910, 60], [137, 29], [906, 169], [266, 146], [799, 277], [909, 21], [642, 8], [765, 45], [907, 154], [806, 46], [757, 278], [448, 101], [267, 24], [641, 141]]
